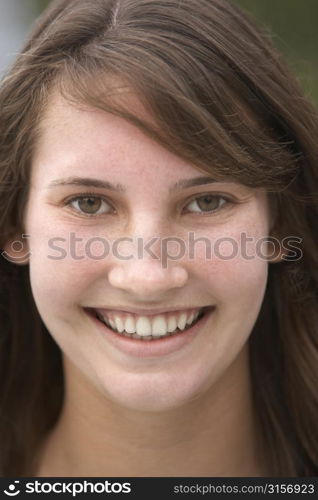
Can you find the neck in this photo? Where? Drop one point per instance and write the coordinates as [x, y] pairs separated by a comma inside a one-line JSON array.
[[214, 435]]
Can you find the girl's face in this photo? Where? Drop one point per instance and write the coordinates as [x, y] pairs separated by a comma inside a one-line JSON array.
[[84, 254]]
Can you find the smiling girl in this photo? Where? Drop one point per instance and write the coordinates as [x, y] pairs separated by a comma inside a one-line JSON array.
[[142, 143]]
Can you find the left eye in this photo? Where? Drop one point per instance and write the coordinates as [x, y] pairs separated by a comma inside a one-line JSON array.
[[207, 203], [89, 205]]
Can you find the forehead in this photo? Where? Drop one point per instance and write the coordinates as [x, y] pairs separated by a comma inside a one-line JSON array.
[[75, 119], [82, 138]]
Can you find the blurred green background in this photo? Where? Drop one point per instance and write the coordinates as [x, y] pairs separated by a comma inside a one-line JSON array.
[[293, 25]]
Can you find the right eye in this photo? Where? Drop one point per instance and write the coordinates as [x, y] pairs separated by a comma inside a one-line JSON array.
[[88, 204]]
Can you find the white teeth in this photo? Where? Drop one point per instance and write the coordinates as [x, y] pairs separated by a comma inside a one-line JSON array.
[[119, 324], [190, 319], [130, 325], [182, 321], [172, 324], [112, 323], [159, 326], [143, 326]]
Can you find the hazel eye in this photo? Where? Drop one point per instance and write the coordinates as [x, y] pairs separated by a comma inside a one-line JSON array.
[[207, 203], [89, 204]]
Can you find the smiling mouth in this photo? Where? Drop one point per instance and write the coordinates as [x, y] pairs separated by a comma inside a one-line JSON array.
[[136, 336]]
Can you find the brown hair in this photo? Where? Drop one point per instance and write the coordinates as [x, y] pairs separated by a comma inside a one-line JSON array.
[[221, 98]]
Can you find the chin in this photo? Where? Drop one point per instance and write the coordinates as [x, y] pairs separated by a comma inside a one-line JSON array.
[[157, 394]]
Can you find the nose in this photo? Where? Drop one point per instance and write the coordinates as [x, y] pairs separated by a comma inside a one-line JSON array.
[[151, 272], [147, 280]]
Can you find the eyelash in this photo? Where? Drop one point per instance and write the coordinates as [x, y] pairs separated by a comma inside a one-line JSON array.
[[228, 201]]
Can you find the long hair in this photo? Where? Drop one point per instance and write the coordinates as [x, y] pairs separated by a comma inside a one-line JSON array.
[[222, 99]]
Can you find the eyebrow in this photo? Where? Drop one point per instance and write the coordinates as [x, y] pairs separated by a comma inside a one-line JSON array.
[[97, 183]]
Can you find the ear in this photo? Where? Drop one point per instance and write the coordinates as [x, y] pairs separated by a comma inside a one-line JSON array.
[[16, 249], [277, 257], [276, 251]]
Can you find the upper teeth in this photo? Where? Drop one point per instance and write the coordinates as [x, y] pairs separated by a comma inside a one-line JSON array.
[[145, 326]]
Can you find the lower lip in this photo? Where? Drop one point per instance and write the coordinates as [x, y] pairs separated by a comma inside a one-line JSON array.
[[151, 348]]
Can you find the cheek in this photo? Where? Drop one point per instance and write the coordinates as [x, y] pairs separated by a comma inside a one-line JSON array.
[[235, 280], [60, 284], [56, 284], [235, 268], [62, 259]]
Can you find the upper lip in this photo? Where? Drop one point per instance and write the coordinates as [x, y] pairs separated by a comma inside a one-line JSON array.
[[148, 311]]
